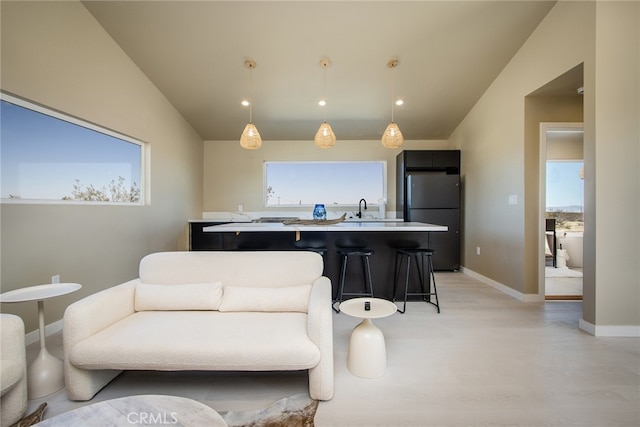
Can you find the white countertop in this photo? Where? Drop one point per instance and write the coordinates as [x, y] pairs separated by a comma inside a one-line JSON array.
[[369, 215], [245, 220], [343, 226]]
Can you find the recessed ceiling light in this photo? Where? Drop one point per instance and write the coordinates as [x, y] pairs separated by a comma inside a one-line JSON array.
[[399, 102], [245, 103], [322, 103]]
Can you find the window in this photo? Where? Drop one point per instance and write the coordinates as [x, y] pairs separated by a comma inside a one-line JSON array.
[[49, 156], [330, 183], [565, 195]]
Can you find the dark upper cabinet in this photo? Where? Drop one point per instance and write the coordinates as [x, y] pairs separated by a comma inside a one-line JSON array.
[[418, 159], [432, 160]]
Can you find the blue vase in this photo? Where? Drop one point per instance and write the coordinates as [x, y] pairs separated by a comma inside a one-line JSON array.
[[319, 212]]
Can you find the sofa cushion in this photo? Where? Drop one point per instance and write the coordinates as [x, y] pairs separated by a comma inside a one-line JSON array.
[[290, 298], [192, 296], [200, 340], [267, 269]]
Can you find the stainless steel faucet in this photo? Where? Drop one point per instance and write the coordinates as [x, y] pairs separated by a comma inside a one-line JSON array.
[[360, 207]]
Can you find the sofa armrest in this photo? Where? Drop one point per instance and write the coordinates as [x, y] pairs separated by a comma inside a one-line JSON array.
[[320, 319], [13, 378], [84, 318], [320, 330], [96, 312], [12, 344]]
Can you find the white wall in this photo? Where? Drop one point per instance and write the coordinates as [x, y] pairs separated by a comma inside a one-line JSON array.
[[55, 54], [612, 168], [603, 36], [565, 148], [494, 153], [234, 176]]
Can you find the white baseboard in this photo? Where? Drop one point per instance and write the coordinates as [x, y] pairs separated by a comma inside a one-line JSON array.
[[620, 331], [502, 288], [52, 328]]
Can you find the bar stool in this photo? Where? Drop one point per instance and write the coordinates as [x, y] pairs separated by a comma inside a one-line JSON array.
[[408, 253], [397, 245], [321, 251], [311, 245], [364, 254]]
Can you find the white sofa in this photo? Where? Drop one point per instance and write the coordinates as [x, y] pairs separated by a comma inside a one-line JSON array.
[[205, 311], [13, 367]]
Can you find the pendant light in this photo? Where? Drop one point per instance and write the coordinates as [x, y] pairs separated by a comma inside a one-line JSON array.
[[392, 137], [250, 138], [325, 138]]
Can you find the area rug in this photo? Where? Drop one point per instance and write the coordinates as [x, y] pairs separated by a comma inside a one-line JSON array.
[[561, 272], [33, 418], [296, 411]]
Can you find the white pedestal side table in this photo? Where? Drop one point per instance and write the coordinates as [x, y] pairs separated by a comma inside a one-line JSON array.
[[367, 354], [45, 374]]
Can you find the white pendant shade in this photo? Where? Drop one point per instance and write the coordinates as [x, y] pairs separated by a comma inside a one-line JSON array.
[[250, 138], [392, 137], [325, 138]]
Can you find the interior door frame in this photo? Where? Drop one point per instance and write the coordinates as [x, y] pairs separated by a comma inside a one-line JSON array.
[[542, 201]]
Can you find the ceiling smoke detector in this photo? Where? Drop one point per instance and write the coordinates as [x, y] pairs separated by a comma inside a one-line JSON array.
[[580, 90]]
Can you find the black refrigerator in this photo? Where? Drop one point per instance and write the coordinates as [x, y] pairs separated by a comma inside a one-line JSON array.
[[435, 198], [428, 190]]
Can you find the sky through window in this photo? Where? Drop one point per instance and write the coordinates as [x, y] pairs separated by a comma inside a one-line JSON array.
[[44, 156]]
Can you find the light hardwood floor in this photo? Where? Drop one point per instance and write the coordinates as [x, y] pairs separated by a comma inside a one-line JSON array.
[[486, 360], [564, 288]]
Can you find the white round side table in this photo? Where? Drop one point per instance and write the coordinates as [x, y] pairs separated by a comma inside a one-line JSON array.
[[147, 410], [367, 355], [45, 374]]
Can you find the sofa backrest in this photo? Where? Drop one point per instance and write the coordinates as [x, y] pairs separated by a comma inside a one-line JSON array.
[[254, 269]]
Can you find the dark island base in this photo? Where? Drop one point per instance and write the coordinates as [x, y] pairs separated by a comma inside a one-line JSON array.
[[382, 262]]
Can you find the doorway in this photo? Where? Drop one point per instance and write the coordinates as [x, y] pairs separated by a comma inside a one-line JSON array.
[[562, 209]]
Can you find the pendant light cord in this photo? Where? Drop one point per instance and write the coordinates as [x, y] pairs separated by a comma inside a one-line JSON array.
[[393, 69], [324, 107], [250, 94], [392, 64]]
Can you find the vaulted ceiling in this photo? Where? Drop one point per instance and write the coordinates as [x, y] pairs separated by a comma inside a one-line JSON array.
[[449, 52]]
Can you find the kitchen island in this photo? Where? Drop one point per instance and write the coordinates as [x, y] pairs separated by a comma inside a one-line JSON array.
[[364, 225], [381, 236]]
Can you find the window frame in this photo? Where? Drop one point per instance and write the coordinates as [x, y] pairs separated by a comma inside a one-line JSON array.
[[144, 185], [329, 206]]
